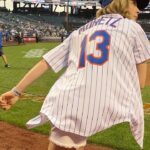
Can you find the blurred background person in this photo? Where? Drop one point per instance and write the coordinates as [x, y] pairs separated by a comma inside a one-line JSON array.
[[1, 51]]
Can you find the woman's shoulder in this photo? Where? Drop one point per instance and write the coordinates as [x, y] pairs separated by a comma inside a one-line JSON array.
[[136, 24]]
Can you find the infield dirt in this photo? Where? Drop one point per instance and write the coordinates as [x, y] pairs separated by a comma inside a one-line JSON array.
[[15, 138]]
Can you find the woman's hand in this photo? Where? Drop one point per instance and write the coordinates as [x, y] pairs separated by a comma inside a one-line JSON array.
[[8, 99]]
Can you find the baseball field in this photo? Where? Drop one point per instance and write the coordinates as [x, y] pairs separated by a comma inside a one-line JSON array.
[[13, 133]]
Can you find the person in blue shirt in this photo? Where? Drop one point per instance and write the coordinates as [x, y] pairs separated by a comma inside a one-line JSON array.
[[1, 51]]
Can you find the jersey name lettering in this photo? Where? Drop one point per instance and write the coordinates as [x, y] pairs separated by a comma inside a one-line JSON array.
[[101, 21]]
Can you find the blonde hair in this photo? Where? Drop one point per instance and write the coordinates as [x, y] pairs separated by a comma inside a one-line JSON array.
[[115, 7]]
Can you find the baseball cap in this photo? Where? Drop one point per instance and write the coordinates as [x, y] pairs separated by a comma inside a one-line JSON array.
[[140, 3]]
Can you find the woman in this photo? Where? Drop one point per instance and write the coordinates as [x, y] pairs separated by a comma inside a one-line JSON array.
[[100, 87]]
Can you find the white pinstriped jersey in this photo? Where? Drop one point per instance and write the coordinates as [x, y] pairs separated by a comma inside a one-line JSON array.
[[100, 87]]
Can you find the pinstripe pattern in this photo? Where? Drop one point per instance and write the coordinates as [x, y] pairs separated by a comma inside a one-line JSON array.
[[90, 99]]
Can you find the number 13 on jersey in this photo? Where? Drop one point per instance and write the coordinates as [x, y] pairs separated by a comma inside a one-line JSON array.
[[103, 47]]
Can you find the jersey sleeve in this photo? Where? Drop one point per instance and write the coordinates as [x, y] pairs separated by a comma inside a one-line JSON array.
[[142, 45], [57, 58]]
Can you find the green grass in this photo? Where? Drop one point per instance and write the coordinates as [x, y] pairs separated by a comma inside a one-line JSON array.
[[20, 66], [118, 137], [22, 112], [146, 94]]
